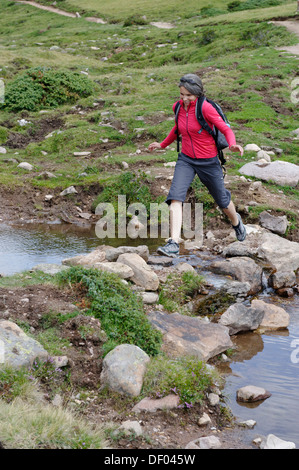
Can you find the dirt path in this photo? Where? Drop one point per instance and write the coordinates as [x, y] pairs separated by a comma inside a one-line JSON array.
[[293, 27], [61, 12]]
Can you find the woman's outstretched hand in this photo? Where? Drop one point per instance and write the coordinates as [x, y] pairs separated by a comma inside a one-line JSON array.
[[237, 148], [153, 146]]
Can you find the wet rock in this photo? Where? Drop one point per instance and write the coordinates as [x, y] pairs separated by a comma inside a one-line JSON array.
[[124, 368], [277, 225], [238, 317], [242, 269], [183, 335], [251, 393], [282, 279], [274, 442], [273, 316]]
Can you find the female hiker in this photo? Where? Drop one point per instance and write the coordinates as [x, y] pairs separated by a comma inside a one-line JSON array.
[[198, 156]]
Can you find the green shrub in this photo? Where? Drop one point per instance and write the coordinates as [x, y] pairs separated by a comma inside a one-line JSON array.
[[135, 20], [187, 377], [117, 307], [45, 88], [133, 186]]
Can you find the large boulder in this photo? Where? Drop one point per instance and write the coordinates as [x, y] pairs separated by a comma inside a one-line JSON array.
[[183, 335], [268, 247], [16, 348], [280, 172], [273, 316], [239, 317], [124, 368]]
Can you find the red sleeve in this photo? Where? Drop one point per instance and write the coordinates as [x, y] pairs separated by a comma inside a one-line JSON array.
[[213, 118], [170, 138]]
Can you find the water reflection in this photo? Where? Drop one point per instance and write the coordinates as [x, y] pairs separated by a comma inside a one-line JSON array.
[[23, 247]]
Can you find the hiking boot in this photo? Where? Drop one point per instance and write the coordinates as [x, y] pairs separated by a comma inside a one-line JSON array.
[[240, 230], [171, 249]]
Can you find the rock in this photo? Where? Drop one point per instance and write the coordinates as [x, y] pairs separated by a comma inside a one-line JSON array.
[[47, 175], [131, 426], [183, 335], [149, 297], [204, 420], [89, 260], [252, 148], [250, 394], [274, 442], [250, 423], [160, 260], [152, 405], [125, 165], [275, 224], [69, 190], [113, 253], [282, 173], [50, 268], [2, 150], [208, 442], [238, 318], [184, 267], [285, 292], [19, 349], [237, 288], [261, 154], [273, 317], [81, 154], [122, 270], [282, 279], [60, 361], [143, 276], [242, 269], [213, 399], [25, 166], [124, 368], [263, 245]]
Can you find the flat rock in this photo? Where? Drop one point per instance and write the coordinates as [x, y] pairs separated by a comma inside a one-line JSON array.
[[113, 253], [183, 335], [282, 173], [277, 225], [152, 405], [268, 247], [120, 269], [143, 276], [238, 317], [274, 442]]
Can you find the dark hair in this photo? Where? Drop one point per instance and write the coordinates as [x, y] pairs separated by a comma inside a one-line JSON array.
[[192, 83]]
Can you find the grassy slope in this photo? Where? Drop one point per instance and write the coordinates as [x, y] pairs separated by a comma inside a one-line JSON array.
[[238, 61]]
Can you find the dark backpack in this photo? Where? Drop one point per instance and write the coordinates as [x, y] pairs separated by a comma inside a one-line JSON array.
[[219, 138]]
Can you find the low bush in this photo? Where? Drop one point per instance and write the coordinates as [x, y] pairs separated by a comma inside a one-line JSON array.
[[119, 310], [43, 87]]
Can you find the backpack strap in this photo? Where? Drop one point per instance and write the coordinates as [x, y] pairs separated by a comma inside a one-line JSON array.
[[176, 114], [212, 131]]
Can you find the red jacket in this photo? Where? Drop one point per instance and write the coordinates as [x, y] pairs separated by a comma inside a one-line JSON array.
[[197, 145]]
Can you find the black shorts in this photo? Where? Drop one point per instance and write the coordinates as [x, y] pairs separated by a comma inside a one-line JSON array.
[[210, 174]]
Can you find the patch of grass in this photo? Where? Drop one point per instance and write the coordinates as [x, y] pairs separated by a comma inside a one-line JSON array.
[[179, 289], [41, 426], [117, 307], [186, 377]]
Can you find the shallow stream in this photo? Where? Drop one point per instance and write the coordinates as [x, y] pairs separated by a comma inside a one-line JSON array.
[[270, 361]]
